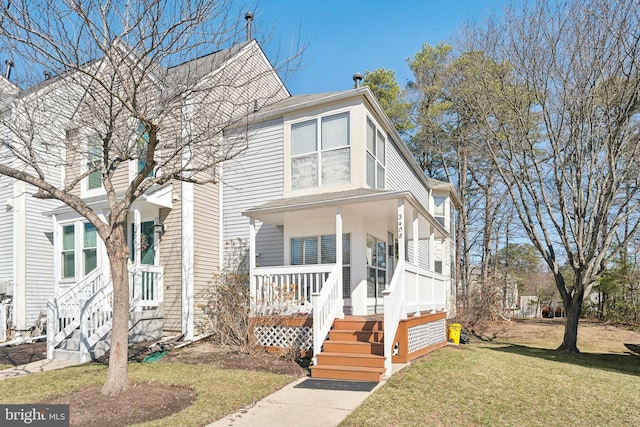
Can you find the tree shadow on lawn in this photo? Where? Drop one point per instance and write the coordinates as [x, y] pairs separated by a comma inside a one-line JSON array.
[[623, 363]]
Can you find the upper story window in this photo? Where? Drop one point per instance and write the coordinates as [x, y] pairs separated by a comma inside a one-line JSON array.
[[94, 160], [143, 146], [320, 152], [438, 210], [375, 156]]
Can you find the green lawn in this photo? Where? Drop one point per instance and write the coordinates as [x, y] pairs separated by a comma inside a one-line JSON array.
[[508, 385], [219, 391]]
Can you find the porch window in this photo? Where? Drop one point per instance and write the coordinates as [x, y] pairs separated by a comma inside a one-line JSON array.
[[68, 251], [325, 163], [376, 156], [90, 250], [438, 209], [376, 267], [94, 159], [304, 250]]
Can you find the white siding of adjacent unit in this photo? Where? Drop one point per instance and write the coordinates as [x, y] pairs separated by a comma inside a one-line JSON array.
[[400, 176], [39, 258], [6, 229], [251, 179]]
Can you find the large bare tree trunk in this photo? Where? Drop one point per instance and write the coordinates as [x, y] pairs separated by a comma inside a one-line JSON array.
[[118, 354]]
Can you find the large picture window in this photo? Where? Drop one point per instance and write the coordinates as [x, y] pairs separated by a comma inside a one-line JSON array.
[[375, 156], [320, 152]]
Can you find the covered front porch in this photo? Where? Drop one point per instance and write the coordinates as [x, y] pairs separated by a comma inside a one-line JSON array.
[[383, 266]]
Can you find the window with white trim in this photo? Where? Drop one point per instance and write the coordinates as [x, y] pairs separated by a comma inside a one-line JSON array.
[[375, 156], [90, 248], [68, 251], [320, 152], [322, 249], [142, 143], [438, 209], [94, 160]]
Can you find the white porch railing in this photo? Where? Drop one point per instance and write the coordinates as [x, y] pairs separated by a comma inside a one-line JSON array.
[[394, 311], [327, 305], [88, 306], [425, 291], [146, 285], [286, 289]]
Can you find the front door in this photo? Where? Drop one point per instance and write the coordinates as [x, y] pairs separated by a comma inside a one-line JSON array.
[[147, 253], [376, 273]]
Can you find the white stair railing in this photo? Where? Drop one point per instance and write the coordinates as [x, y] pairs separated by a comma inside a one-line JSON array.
[[327, 306], [88, 305], [63, 312], [394, 311]]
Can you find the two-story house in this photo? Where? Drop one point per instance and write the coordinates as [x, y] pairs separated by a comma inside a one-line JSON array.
[[327, 165]]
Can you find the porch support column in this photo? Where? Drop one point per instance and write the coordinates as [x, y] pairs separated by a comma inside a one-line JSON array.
[[252, 265], [401, 251], [432, 248], [340, 314], [416, 259], [134, 285]]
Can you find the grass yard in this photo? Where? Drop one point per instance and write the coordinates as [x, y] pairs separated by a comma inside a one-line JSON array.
[[515, 381], [218, 391]]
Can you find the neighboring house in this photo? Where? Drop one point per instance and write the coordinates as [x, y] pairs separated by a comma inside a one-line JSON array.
[[327, 165], [26, 238], [173, 229]]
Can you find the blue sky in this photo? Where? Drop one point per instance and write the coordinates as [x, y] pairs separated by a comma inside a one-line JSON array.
[[344, 36]]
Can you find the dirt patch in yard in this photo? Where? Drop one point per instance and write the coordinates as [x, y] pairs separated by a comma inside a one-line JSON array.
[[139, 403], [20, 354]]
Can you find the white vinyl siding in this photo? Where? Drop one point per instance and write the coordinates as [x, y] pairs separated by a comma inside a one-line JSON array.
[[252, 178], [400, 176], [39, 257], [6, 230]]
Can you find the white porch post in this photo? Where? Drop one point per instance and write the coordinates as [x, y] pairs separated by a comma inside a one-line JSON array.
[[432, 247], [252, 265], [340, 314], [401, 250], [416, 258]]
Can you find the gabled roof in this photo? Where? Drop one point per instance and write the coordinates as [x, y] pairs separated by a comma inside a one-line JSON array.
[[436, 184]]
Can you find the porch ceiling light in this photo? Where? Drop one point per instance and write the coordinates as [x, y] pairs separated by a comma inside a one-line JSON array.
[[158, 227]]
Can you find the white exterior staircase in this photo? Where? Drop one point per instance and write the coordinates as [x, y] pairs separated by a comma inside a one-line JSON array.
[[79, 320]]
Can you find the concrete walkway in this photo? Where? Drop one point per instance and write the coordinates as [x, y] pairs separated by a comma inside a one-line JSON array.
[[33, 367], [308, 402]]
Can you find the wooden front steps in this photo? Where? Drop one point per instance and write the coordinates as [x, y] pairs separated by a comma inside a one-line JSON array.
[[354, 351]]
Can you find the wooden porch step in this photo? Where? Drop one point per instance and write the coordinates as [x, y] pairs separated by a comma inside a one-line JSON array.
[[355, 335], [351, 359], [356, 347], [361, 323], [353, 373]]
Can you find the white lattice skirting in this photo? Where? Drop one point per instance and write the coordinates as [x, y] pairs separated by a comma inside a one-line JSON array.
[[284, 336], [427, 334]]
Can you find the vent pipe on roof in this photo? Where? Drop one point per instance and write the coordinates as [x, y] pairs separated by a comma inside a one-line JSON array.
[[47, 75], [357, 78], [7, 73], [248, 17]]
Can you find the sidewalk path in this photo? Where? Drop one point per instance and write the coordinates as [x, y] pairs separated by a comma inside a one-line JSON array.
[[308, 402], [33, 367]]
